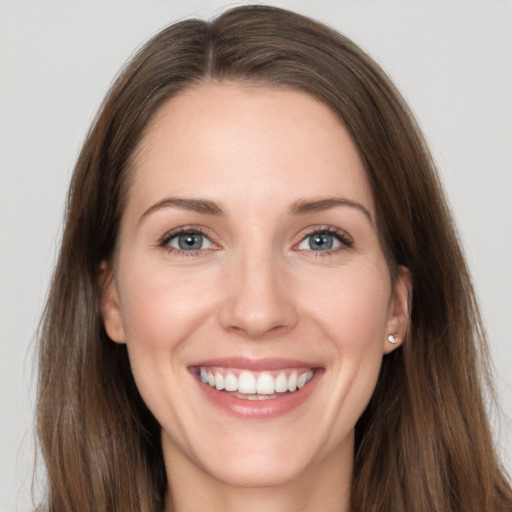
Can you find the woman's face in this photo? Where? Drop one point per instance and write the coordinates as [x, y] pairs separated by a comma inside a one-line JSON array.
[[249, 259]]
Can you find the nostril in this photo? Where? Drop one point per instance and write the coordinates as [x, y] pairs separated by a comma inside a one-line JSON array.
[[260, 332], [258, 319], [258, 302]]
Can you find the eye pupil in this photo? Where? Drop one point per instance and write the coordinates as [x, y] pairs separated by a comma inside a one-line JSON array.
[[321, 241], [190, 241]]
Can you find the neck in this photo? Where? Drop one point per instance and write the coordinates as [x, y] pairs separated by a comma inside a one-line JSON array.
[[323, 487]]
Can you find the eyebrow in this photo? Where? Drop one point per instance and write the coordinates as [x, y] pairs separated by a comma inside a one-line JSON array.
[[303, 206], [300, 207], [195, 205]]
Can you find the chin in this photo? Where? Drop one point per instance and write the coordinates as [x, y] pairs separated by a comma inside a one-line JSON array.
[[271, 457], [256, 469]]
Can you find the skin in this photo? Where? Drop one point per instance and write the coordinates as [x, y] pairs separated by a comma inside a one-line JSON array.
[[257, 289]]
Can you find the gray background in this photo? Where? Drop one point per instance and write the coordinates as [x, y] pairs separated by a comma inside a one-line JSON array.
[[451, 59]]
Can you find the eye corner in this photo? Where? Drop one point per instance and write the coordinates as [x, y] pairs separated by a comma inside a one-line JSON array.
[[329, 239], [187, 241]]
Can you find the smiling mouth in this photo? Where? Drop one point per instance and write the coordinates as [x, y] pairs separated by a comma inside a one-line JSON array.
[[250, 385]]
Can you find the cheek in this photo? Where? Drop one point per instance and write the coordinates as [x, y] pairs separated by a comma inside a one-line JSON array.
[[352, 311], [160, 307], [352, 306]]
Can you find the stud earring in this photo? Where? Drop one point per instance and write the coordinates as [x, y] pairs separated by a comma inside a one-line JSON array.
[[392, 339]]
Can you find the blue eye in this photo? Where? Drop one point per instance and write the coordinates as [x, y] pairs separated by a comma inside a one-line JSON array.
[[191, 241], [324, 240]]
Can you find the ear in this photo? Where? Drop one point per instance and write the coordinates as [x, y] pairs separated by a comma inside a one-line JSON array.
[[399, 308], [110, 305]]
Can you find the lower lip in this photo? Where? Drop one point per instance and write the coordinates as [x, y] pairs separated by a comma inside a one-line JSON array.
[[258, 409]]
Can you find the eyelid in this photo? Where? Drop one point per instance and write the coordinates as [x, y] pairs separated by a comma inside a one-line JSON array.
[[342, 236], [184, 230], [174, 242]]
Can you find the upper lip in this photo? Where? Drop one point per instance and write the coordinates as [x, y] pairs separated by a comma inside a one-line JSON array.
[[255, 365]]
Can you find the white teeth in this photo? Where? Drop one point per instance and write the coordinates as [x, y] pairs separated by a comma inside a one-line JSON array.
[[256, 397], [246, 383], [301, 381], [292, 382], [219, 381], [281, 383], [304, 379], [265, 384], [259, 386], [230, 382]]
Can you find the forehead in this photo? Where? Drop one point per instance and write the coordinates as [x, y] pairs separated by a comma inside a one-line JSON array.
[[253, 143]]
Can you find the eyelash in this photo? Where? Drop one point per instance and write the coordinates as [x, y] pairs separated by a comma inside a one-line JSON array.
[[164, 241], [345, 241]]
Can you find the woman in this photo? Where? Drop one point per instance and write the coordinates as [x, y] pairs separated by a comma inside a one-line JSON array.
[[260, 299]]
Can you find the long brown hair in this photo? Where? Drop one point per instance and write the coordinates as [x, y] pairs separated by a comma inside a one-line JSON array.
[[423, 443]]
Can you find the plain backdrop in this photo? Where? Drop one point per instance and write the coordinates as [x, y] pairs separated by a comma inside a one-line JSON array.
[[451, 59]]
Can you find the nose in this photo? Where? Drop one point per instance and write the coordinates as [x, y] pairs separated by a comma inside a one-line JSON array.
[[259, 302]]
